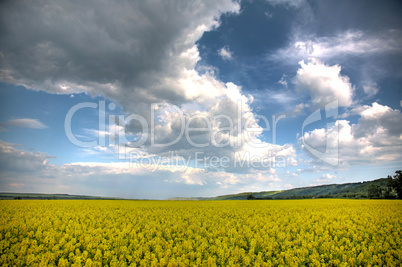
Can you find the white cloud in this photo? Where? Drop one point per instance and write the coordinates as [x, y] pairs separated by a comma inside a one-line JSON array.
[[24, 123], [376, 118], [375, 139], [370, 88], [324, 83], [299, 109], [268, 14], [289, 3], [283, 81], [325, 178], [225, 53], [280, 97], [351, 42]]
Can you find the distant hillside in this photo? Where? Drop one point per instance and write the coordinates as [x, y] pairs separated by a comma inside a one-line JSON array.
[[46, 196], [380, 188], [263, 194], [348, 190]]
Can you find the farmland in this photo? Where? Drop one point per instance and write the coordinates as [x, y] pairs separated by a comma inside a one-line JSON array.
[[319, 232]]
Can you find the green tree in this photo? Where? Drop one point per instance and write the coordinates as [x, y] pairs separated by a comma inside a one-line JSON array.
[[389, 188], [374, 191], [398, 183], [250, 197]]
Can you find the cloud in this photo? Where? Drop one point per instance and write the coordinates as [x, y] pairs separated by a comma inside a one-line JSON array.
[[378, 118], [324, 83], [137, 59], [20, 161], [283, 81], [225, 53], [370, 88], [375, 139], [24, 123], [299, 109], [146, 56], [77, 47], [268, 14], [281, 97], [288, 3], [347, 43], [325, 178], [31, 171]]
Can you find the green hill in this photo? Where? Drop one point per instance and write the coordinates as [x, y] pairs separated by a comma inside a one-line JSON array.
[[263, 194], [348, 190], [370, 189], [380, 188]]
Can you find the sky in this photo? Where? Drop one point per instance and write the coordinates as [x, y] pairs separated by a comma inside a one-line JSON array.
[[177, 98]]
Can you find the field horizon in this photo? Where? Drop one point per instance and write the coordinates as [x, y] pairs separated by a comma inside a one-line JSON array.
[[357, 190]]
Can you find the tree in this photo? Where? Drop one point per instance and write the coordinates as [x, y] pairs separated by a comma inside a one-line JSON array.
[[389, 188], [398, 183], [394, 186], [374, 191], [250, 197]]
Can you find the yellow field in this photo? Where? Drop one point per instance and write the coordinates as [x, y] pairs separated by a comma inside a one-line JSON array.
[[201, 233]]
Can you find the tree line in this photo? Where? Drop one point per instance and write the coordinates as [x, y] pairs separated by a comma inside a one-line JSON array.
[[393, 188], [385, 188]]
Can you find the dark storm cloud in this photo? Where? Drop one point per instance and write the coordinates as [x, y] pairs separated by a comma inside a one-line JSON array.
[[122, 49]]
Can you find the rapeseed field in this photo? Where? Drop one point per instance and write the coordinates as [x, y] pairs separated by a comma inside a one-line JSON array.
[[318, 232]]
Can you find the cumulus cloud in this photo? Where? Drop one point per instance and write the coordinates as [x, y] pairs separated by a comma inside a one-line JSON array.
[[225, 53], [146, 56], [375, 139], [24, 123], [324, 83], [378, 118]]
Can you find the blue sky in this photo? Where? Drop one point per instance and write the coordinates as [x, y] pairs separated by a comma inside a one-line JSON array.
[[198, 98]]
